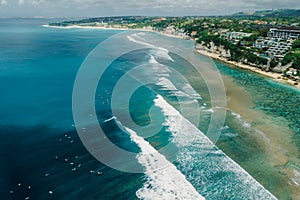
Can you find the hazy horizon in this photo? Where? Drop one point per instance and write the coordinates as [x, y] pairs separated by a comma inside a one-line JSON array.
[[98, 8]]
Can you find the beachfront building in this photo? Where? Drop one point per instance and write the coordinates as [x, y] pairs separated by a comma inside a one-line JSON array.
[[292, 72], [285, 32], [171, 30], [235, 37], [101, 24], [193, 33], [279, 49], [261, 43]]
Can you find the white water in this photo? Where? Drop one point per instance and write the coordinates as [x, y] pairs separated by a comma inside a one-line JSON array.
[[107, 120], [159, 52], [164, 180], [247, 125], [209, 170]]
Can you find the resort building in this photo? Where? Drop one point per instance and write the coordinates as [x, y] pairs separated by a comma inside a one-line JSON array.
[[261, 43], [235, 37], [171, 30], [279, 49], [285, 32]]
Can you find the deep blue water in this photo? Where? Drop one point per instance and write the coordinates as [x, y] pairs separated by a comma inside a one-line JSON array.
[[38, 66]]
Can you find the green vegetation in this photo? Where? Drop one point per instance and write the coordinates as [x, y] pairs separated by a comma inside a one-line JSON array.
[[293, 55], [296, 44], [273, 63], [238, 53], [219, 30]]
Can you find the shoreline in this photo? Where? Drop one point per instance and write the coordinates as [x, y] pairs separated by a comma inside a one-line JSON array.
[[273, 75], [117, 29], [277, 157], [84, 27]]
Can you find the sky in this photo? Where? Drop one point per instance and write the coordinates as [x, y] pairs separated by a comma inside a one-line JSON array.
[[93, 8]]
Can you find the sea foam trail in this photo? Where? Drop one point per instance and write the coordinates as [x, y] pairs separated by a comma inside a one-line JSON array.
[[164, 180], [161, 52], [213, 174], [162, 78], [207, 168]]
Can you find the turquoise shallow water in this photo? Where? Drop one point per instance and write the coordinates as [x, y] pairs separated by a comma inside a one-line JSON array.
[[273, 98], [281, 104], [41, 147]]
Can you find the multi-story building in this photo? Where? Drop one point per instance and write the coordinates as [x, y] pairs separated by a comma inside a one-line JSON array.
[[235, 37], [284, 32], [279, 49]]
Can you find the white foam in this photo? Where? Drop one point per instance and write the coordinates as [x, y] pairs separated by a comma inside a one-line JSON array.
[[199, 158], [159, 52], [164, 180], [161, 69], [152, 60], [239, 117], [187, 90], [296, 179], [209, 110], [69, 27], [297, 173], [141, 33], [162, 72], [166, 84], [180, 94], [107, 120], [190, 90], [163, 75], [163, 54], [247, 125]]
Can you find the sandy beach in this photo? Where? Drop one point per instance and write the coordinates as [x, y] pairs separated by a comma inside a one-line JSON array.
[[273, 75], [87, 27], [119, 29]]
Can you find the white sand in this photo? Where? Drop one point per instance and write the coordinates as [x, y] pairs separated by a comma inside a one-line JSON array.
[[272, 75]]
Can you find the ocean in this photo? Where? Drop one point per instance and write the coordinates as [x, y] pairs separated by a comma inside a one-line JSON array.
[[156, 112]]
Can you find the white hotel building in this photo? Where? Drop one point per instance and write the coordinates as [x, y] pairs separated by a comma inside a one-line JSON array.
[[284, 33]]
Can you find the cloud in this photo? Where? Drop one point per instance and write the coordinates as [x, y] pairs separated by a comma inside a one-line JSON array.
[[141, 7], [20, 2], [37, 2], [3, 2], [34, 2], [186, 7]]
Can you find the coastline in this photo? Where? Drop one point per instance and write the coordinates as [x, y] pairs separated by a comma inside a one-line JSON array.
[[85, 27], [112, 28], [273, 75], [277, 157]]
